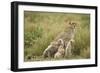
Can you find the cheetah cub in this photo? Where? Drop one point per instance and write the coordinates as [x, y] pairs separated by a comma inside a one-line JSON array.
[[61, 51]]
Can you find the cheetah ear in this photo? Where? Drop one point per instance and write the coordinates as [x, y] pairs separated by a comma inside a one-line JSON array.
[[74, 25], [70, 23]]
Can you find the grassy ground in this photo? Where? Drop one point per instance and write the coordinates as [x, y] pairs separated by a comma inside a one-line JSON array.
[[41, 28]]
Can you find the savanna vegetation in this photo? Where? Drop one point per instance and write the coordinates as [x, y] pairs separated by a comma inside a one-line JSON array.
[[41, 28]]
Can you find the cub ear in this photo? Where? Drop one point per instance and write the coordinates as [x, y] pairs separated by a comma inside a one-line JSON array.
[[60, 42]]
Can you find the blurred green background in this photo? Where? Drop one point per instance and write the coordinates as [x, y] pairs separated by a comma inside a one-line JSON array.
[[41, 28]]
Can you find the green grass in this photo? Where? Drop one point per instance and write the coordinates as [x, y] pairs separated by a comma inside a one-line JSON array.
[[41, 28]]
